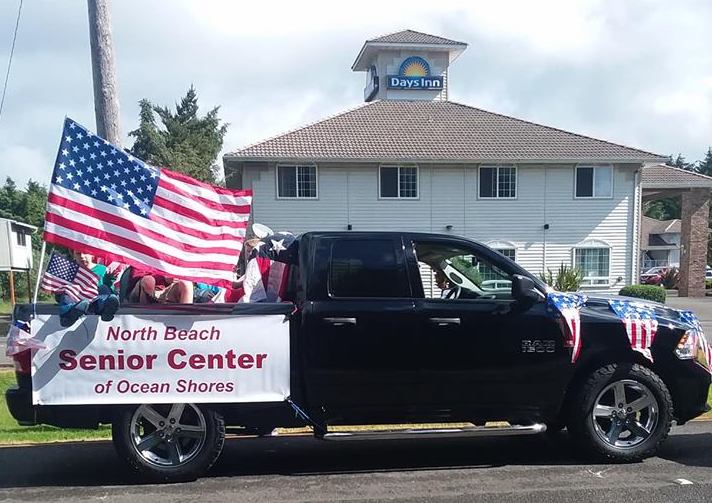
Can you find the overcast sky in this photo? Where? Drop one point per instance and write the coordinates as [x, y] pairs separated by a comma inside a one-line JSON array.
[[636, 72]]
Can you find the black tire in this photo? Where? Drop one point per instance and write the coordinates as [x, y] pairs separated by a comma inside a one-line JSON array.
[[130, 425], [622, 437]]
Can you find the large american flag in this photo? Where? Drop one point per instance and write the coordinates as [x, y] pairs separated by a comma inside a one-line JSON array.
[[64, 275], [568, 305], [106, 202], [640, 324]]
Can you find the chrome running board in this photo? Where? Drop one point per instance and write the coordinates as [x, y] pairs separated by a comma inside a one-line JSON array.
[[474, 431]]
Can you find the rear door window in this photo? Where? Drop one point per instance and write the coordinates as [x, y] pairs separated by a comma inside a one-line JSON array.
[[367, 268]]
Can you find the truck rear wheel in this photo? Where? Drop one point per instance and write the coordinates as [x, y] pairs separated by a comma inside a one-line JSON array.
[[623, 412], [169, 442]]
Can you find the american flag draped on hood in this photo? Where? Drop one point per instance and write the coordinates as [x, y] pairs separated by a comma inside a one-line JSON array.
[[640, 323], [567, 306], [106, 202]]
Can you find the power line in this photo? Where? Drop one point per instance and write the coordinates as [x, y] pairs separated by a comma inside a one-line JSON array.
[[9, 61]]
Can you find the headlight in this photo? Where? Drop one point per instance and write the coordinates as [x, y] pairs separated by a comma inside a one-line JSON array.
[[692, 345], [687, 347]]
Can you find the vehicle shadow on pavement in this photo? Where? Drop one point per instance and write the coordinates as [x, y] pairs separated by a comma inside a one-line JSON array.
[[689, 450], [96, 463]]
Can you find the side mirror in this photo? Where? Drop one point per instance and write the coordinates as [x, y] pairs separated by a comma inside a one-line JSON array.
[[524, 290]]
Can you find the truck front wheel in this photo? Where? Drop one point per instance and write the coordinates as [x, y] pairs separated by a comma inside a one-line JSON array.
[[169, 442], [623, 412]]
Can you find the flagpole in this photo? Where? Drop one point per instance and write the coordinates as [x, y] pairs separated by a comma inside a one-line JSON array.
[[39, 272]]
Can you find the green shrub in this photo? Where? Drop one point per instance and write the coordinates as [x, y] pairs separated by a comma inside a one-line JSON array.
[[708, 283], [649, 292], [568, 279], [469, 270]]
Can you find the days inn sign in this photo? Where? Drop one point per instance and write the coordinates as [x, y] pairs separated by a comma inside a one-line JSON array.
[[414, 74]]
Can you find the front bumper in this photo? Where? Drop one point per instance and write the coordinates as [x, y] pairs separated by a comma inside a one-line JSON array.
[[689, 389]]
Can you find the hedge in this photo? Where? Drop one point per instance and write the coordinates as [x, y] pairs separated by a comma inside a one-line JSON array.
[[649, 292]]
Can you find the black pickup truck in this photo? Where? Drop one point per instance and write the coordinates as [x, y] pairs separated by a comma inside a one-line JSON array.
[[402, 328]]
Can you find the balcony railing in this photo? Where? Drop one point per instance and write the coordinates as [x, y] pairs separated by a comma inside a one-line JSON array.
[[648, 263]]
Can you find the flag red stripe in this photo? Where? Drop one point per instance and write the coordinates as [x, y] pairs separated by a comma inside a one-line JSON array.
[[133, 245], [577, 339], [207, 186], [194, 215], [75, 245], [128, 225], [195, 232], [214, 205], [60, 201]]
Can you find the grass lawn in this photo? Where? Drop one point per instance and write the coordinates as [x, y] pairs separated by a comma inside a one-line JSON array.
[[12, 433], [5, 307]]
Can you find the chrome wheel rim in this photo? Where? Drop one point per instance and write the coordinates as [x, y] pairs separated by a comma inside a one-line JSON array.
[[168, 435], [625, 414]]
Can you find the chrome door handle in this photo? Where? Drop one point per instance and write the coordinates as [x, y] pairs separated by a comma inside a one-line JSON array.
[[340, 322], [444, 322]]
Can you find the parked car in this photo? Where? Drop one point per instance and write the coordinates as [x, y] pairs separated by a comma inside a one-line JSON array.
[[367, 347], [654, 275]]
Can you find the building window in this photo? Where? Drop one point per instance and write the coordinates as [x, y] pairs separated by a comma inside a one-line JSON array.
[[296, 182], [594, 264], [498, 182], [594, 181], [510, 253], [399, 182], [367, 268], [21, 239]]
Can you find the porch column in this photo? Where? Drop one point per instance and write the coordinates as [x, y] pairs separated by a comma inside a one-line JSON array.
[[693, 249]]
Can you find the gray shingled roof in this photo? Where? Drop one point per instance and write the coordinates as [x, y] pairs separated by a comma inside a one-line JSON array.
[[414, 37], [660, 176], [655, 226], [433, 131]]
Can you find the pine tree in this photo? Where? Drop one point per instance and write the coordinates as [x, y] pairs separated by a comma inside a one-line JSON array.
[[185, 142], [681, 162], [705, 166]]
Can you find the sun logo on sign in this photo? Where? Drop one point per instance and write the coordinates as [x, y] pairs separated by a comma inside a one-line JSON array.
[[414, 66]]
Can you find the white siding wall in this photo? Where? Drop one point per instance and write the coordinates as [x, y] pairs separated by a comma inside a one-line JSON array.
[[448, 196]]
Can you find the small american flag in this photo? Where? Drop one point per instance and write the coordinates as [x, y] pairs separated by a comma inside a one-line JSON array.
[[691, 319], [64, 275], [106, 202], [567, 305], [640, 324]]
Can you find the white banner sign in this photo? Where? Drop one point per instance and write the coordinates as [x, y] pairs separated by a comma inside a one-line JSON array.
[[161, 359]]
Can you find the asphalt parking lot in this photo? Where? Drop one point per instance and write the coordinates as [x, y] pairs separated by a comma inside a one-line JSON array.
[[297, 469]]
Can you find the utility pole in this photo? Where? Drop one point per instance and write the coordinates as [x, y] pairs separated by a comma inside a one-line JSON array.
[[106, 96]]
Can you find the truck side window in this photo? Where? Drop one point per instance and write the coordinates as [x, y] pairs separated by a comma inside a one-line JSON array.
[[367, 268], [449, 272]]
